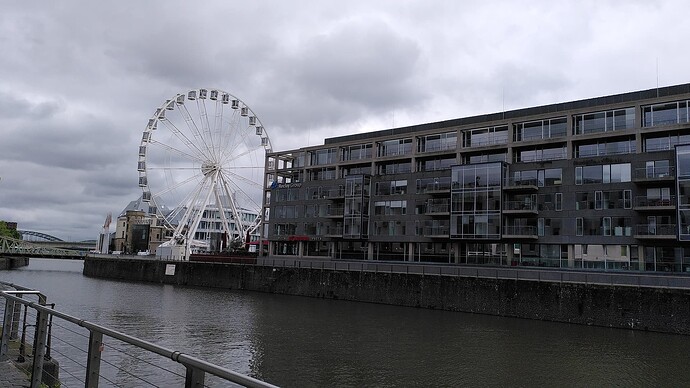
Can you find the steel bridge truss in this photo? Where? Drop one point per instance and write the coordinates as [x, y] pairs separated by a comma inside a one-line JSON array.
[[19, 248]]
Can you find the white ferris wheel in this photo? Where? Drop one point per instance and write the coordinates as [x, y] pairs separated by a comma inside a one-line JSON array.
[[201, 163]]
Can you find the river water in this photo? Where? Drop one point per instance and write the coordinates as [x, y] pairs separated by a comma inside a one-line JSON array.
[[306, 342]]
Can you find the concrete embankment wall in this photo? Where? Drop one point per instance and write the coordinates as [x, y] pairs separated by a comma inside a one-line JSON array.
[[654, 309], [13, 262]]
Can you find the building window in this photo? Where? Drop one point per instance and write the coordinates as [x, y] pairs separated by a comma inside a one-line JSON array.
[[438, 142], [559, 201], [540, 227], [668, 113], [357, 152], [627, 199], [320, 157], [598, 200], [606, 226], [395, 147], [579, 226], [541, 129], [606, 121], [483, 137]]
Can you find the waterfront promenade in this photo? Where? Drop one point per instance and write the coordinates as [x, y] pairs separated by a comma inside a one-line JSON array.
[[11, 376]]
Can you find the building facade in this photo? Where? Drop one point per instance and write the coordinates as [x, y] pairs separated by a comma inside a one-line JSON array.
[[595, 183]]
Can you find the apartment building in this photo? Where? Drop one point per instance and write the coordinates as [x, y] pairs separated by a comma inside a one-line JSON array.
[[594, 183]]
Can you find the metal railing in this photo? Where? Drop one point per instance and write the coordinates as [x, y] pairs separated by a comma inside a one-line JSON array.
[[653, 173], [557, 275], [645, 201], [656, 230], [46, 317]]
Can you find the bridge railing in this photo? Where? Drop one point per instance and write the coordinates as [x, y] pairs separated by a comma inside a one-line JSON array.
[[90, 353], [14, 247]]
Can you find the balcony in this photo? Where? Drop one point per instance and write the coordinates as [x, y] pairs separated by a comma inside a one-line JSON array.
[[338, 193], [438, 208], [513, 184], [646, 175], [644, 203], [439, 185], [658, 231], [520, 232], [436, 231], [334, 212], [520, 207], [334, 232]]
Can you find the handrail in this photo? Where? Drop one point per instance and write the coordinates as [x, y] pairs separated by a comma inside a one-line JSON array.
[[195, 367]]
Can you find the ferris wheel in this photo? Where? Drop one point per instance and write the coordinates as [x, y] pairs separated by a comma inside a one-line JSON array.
[[201, 162]]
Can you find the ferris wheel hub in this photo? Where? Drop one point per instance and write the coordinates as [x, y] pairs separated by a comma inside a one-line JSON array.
[[209, 168]]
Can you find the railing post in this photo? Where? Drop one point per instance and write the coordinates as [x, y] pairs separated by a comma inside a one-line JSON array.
[[93, 363], [17, 314], [6, 328], [39, 347], [194, 378]]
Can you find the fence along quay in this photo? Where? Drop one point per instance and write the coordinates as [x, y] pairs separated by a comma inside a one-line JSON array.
[[41, 325]]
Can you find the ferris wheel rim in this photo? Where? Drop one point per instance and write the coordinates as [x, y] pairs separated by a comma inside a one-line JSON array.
[[212, 162]]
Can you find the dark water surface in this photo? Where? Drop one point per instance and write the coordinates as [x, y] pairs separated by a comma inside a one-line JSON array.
[[304, 342]]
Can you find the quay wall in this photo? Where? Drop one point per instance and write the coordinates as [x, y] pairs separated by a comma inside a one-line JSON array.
[[13, 262], [640, 308]]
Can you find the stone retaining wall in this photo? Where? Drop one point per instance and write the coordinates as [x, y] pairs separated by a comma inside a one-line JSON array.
[[655, 309]]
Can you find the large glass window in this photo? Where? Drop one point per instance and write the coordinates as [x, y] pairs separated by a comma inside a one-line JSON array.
[[665, 141], [395, 147], [665, 114], [608, 173], [605, 121], [326, 156], [438, 142], [485, 136], [541, 129], [606, 148], [540, 154], [476, 201], [357, 152]]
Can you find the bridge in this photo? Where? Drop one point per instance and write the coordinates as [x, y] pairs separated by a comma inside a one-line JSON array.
[[12, 247]]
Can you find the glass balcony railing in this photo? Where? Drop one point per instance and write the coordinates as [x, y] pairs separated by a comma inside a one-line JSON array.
[[528, 206], [655, 202], [655, 173], [660, 230], [523, 231]]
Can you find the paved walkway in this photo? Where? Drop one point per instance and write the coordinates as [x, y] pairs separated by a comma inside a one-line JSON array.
[[10, 376]]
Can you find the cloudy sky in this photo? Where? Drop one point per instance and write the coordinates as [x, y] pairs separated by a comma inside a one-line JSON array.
[[80, 79]]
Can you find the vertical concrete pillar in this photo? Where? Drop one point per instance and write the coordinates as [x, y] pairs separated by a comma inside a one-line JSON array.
[[456, 252], [300, 248], [410, 251], [571, 256], [370, 251]]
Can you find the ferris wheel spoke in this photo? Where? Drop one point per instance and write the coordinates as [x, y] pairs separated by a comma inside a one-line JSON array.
[[248, 151], [206, 127], [191, 124], [237, 144], [222, 189], [177, 185], [183, 138], [239, 188], [242, 178], [179, 152], [239, 222]]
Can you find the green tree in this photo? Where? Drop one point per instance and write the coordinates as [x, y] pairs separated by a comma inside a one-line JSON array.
[[7, 232]]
